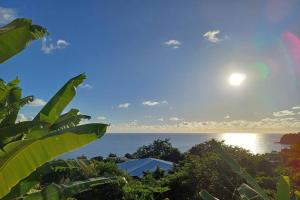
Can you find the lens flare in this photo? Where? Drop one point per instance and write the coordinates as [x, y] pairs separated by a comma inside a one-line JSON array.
[[292, 44], [262, 70]]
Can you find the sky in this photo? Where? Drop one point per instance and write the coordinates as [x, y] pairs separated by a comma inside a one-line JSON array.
[[166, 66]]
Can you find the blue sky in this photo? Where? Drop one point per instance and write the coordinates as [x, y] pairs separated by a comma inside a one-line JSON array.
[[163, 66]]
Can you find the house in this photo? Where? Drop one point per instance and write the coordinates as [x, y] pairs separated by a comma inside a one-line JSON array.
[[289, 139], [136, 167]]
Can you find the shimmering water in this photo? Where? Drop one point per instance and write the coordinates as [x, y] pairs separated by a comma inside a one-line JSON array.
[[122, 143]]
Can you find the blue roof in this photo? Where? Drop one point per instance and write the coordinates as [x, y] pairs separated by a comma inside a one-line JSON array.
[[138, 166]]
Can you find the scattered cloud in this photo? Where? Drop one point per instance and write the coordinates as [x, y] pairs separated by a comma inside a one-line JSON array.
[[266, 125], [174, 119], [37, 102], [150, 103], [101, 118], [124, 105], [212, 36], [7, 15], [21, 117], [173, 43], [283, 113], [227, 117], [86, 86], [296, 107], [160, 119], [154, 103], [49, 48]]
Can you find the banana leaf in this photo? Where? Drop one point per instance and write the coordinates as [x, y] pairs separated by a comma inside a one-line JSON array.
[[15, 36], [53, 109], [206, 196], [21, 158], [62, 192], [283, 188], [248, 193]]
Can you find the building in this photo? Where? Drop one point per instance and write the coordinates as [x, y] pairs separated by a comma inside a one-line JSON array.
[[136, 167], [289, 139]]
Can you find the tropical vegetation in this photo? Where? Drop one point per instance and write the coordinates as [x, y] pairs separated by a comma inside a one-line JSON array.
[[27, 145], [211, 170]]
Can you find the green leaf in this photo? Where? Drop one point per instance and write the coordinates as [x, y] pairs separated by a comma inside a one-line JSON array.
[[52, 110], [8, 133], [206, 196], [13, 97], [62, 192], [5, 90], [69, 119], [236, 168], [34, 178], [21, 158], [283, 188], [15, 36], [248, 193]]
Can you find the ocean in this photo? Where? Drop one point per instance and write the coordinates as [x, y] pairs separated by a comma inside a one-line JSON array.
[[121, 143]]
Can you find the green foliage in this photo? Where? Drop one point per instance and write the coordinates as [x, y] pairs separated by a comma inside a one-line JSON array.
[[291, 158], [283, 188], [63, 192], [26, 146], [206, 196], [15, 36], [246, 192], [255, 192], [161, 149], [236, 168]]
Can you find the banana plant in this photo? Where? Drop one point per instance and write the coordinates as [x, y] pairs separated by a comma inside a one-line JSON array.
[[28, 145], [24, 186], [65, 191], [15, 36], [251, 190], [58, 191]]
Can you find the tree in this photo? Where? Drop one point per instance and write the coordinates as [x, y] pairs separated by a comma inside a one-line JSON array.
[[161, 149], [291, 158]]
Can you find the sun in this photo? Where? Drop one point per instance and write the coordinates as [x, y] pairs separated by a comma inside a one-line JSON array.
[[236, 79]]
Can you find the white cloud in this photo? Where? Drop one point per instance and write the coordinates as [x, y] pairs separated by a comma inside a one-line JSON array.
[[283, 113], [296, 108], [62, 44], [48, 48], [101, 118], [154, 103], [86, 86], [173, 43], [174, 119], [21, 117], [227, 117], [7, 15], [212, 36], [160, 119], [37, 102], [124, 105], [266, 125], [150, 103]]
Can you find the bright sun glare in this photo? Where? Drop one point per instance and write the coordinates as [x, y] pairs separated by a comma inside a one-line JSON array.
[[236, 79]]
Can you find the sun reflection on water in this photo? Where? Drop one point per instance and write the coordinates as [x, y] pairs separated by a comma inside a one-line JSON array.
[[248, 141]]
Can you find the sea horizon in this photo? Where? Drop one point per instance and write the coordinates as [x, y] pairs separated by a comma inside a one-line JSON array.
[[122, 143]]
